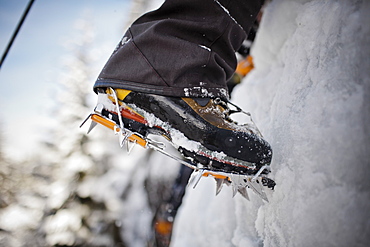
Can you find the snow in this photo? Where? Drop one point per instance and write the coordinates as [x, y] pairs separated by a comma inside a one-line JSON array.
[[309, 96], [15, 217], [205, 47], [227, 12]]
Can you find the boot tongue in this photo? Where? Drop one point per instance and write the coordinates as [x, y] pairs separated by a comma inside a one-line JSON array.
[[202, 101]]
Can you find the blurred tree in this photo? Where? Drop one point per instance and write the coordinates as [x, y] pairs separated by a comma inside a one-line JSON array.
[[79, 189], [21, 201], [81, 207]]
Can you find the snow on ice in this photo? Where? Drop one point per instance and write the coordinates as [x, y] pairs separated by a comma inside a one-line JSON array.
[[309, 95]]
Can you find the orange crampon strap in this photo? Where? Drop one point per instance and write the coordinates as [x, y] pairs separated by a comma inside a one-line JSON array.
[[113, 126], [218, 176]]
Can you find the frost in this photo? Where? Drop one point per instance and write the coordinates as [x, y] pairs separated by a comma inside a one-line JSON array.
[[18, 217], [125, 40], [205, 47], [186, 92], [177, 136], [228, 12], [60, 227], [199, 91]]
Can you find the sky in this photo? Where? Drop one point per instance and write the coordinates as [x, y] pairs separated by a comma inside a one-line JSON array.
[[34, 63]]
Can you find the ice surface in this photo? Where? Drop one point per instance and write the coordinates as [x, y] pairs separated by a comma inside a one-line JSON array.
[[309, 96]]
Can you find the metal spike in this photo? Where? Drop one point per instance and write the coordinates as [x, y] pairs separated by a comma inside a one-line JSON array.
[[192, 178], [256, 186], [88, 117], [265, 167], [130, 148], [243, 191], [121, 142], [197, 178], [234, 183], [122, 138], [219, 183], [92, 126], [237, 182], [235, 189]]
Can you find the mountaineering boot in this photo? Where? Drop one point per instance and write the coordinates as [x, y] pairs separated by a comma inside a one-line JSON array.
[[200, 128]]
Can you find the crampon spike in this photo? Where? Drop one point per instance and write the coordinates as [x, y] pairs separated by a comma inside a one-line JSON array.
[[92, 126], [88, 117], [243, 191], [236, 182], [122, 138], [235, 189], [129, 146], [196, 178], [219, 183], [256, 186]]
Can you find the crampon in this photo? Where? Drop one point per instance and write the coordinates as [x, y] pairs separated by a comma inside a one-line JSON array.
[[133, 128]]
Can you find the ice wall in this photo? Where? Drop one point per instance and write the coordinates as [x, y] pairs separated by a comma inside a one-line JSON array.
[[309, 95]]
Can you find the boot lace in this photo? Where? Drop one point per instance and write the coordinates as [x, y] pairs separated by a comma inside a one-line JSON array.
[[227, 111]]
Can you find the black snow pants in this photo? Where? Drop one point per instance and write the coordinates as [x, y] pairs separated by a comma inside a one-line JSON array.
[[186, 48]]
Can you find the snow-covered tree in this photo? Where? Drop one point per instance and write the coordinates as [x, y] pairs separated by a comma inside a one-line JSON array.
[[82, 207], [22, 187], [80, 189], [98, 194]]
